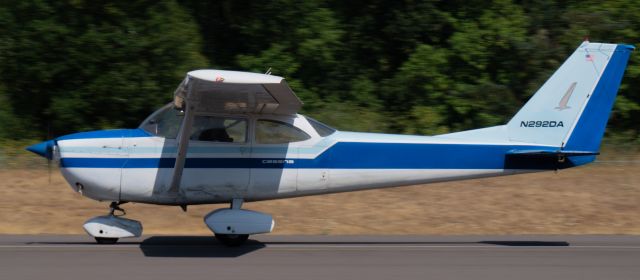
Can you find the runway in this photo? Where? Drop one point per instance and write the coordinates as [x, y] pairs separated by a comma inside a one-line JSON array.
[[323, 257]]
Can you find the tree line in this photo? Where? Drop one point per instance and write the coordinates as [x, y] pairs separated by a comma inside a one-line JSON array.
[[417, 67]]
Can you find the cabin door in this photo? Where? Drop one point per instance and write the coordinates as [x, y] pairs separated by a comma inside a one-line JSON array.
[[217, 166]]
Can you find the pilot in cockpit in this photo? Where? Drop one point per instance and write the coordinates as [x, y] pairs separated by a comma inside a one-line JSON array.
[[210, 129]]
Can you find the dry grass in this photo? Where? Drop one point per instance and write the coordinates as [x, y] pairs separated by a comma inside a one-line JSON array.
[[597, 199]]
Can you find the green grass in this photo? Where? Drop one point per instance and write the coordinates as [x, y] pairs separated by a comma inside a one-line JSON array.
[[14, 155]]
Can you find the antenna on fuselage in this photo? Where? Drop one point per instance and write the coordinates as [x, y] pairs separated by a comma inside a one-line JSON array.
[[268, 71]]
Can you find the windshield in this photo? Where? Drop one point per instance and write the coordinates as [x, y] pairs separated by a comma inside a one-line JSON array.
[[165, 122]]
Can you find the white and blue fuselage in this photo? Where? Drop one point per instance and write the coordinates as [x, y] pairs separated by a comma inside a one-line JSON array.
[[135, 165]]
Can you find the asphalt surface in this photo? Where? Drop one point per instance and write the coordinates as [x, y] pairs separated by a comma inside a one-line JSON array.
[[323, 257]]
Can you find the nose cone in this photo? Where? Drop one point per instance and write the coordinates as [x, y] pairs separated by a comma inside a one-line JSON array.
[[43, 149]]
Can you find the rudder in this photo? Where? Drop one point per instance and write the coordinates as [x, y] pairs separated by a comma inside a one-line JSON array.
[[587, 133]]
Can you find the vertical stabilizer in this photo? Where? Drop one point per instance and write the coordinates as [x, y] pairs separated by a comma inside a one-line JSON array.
[[571, 109]]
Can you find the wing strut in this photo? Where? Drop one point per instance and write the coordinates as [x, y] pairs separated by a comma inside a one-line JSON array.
[[183, 145]]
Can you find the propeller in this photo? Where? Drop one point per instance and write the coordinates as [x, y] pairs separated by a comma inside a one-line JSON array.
[[50, 152], [45, 149]]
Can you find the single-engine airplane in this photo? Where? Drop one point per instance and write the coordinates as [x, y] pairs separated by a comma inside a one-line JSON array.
[[234, 137]]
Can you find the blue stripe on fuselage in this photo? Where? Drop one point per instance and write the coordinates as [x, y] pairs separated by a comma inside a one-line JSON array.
[[358, 155]]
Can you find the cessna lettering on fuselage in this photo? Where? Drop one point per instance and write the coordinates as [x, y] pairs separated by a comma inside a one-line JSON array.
[[278, 161], [235, 137], [541, 124]]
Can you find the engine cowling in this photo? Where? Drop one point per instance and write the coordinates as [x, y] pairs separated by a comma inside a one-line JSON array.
[[238, 221]]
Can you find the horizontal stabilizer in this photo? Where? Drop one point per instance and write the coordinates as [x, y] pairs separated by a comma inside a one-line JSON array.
[[548, 159], [553, 153]]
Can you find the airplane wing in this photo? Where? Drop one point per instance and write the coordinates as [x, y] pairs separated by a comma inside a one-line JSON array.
[[219, 91]]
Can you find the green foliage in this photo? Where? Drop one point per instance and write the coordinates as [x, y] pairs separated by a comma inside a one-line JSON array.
[[350, 117], [427, 120], [76, 65], [9, 124], [419, 67], [614, 21]]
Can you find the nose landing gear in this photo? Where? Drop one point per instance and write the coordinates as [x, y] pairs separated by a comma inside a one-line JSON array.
[[109, 228], [115, 206]]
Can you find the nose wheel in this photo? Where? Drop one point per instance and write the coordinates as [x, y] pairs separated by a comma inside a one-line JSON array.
[[116, 211], [110, 228]]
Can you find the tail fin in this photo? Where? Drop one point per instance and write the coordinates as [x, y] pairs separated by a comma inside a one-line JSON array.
[[571, 109]]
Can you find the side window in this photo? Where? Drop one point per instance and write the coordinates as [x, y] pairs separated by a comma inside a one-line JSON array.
[[219, 129], [275, 132]]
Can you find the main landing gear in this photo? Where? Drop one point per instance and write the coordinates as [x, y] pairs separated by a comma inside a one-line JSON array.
[[232, 226], [232, 240], [109, 228]]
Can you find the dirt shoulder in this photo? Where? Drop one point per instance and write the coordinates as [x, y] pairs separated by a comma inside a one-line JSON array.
[[603, 198]]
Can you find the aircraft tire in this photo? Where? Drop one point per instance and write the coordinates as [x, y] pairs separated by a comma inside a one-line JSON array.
[[106, 240], [232, 240]]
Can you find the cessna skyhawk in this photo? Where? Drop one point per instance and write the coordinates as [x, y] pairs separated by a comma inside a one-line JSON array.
[[234, 137]]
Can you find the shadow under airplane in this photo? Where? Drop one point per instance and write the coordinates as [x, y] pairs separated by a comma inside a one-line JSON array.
[[205, 246], [194, 247], [209, 247]]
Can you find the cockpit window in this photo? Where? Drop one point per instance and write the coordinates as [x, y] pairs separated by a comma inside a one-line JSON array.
[[322, 129], [276, 132], [164, 122], [219, 129]]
